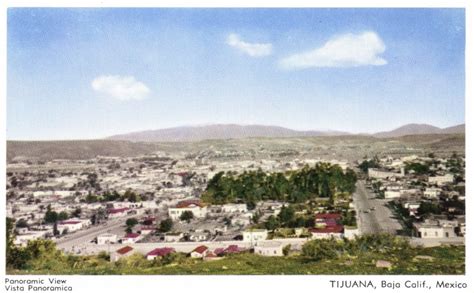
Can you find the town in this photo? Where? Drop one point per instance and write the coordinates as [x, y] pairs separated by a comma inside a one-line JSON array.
[[206, 208]]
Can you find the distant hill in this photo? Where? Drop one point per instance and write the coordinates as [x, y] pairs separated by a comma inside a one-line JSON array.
[[217, 131], [416, 129], [75, 149]]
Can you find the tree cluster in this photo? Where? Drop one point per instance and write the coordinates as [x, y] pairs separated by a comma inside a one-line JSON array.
[[322, 180]]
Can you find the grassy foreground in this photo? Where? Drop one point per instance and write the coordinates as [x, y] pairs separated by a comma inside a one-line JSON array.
[[415, 261]]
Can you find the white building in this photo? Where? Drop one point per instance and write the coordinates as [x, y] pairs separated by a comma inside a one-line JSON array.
[[433, 229], [194, 206], [173, 237], [432, 192], [269, 248], [234, 208], [73, 225], [122, 252], [131, 238], [351, 232], [23, 239], [441, 180], [255, 235], [106, 238], [392, 194], [379, 174]]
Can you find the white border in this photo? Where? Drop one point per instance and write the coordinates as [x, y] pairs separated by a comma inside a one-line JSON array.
[[244, 283]]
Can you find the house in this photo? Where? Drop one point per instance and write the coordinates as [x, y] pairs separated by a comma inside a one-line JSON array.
[[70, 225], [145, 230], [198, 236], [198, 209], [240, 221], [255, 235], [22, 239], [441, 180], [106, 238], [122, 252], [326, 219], [199, 252], [432, 192], [392, 194], [269, 248], [173, 237], [332, 231], [117, 212], [434, 229], [131, 238], [351, 232], [159, 252], [379, 174], [234, 208]]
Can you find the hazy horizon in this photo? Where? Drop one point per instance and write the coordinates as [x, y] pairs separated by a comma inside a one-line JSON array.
[[108, 71]]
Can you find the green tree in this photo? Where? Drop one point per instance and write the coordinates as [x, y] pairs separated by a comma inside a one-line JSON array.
[[63, 216], [272, 223], [186, 216], [50, 216], [131, 222], [286, 215], [166, 225]]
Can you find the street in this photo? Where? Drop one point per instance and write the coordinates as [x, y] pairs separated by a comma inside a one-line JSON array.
[[373, 216]]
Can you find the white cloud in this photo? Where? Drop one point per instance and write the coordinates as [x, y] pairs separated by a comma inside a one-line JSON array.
[[251, 49], [123, 88], [349, 50]]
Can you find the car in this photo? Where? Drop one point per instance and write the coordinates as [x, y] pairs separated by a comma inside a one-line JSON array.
[[372, 208]]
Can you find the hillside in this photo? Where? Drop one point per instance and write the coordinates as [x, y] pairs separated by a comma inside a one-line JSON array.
[[217, 131]]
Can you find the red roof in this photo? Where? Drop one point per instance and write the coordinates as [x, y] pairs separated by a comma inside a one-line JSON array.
[[328, 216], [187, 203], [132, 235], [200, 249], [116, 211], [161, 251], [124, 250], [328, 229], [147, 228], [232, 249]]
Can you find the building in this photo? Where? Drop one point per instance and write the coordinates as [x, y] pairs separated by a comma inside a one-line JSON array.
[[441, 180], [199, 252], [122, 252], [198, 236], [71, 225], [379, 174], [131, 238], [106, 238], [173, 237], [432, 192], [434, 229], [351, 232], [22, 239], [234, 208], [159, 252], [198, 209], [255, 235], [269, 248], [333, 231], [392, 194], [117, 212]]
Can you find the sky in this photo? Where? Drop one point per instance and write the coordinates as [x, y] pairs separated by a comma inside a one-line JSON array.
[[95, 72]]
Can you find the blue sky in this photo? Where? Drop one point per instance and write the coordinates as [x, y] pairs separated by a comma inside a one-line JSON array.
[[90, 73]]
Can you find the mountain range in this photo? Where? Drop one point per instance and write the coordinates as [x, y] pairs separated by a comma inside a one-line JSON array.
[[234, 131]]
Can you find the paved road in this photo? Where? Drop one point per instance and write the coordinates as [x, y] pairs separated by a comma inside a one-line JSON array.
[[373, 216], [85, 236]]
